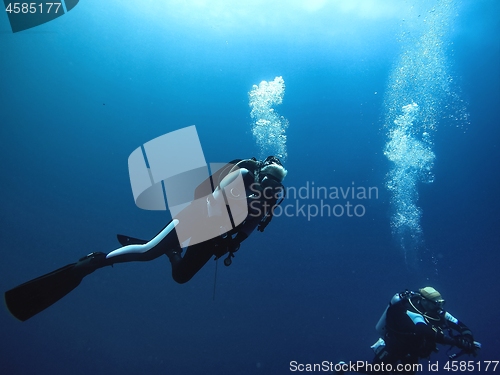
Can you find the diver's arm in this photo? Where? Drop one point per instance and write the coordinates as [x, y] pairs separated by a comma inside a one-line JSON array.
[[439, 337], [457, 325], [240, 237], [232, 244], [245, 229], [465, 339], [433, 334]]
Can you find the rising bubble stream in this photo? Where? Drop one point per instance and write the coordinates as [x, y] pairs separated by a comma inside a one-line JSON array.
[[420, 95], [268, 127]]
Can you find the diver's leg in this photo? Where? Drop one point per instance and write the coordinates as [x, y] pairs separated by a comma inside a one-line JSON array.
[[163, 243], [34, 296], [184, 268]]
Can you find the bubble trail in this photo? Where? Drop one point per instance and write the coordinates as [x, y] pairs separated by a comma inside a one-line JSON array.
[[413, 159], [419, 89], [268, 127]]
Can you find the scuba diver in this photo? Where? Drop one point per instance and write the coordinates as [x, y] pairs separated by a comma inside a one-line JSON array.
[[410, 328], [244, 198]]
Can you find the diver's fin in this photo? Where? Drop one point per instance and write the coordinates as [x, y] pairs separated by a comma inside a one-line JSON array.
[[126, 240], [32, 297]]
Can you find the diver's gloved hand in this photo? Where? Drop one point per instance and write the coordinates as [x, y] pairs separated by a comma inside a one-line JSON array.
[[466, 343]]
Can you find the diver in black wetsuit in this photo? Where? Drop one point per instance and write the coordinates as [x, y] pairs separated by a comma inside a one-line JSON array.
[[256, 200], [411, 327], [213, 224]]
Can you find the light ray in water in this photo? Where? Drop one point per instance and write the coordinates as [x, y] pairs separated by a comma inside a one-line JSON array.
[[268, 127]]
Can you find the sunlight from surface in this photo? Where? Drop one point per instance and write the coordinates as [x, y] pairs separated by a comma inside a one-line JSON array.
[[322, 16]]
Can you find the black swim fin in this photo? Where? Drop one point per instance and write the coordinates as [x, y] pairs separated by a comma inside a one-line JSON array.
[[32, 297], [126, 240]]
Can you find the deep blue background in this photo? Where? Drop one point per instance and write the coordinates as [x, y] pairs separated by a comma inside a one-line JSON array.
[[79, 94]]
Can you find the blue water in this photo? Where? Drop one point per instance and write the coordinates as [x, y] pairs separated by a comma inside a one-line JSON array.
[[80, 93]]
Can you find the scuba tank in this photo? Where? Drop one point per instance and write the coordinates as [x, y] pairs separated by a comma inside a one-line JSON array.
[[380, 326]]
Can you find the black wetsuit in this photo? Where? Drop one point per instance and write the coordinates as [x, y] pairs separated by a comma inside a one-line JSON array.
[[204, 223], [260, 205], [412, 334]]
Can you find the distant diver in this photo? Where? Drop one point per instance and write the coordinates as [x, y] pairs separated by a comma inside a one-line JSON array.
[[263, 192], [410, 329]]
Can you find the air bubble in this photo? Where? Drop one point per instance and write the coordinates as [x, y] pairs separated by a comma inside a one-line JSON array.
[[269, 127]]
